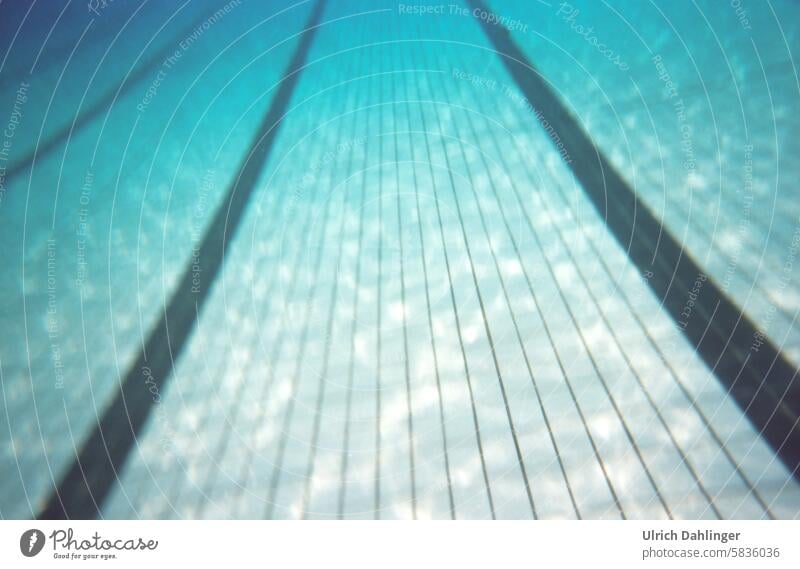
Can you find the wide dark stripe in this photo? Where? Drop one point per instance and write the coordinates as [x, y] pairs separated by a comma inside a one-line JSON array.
[[81, 492], [748, 365]]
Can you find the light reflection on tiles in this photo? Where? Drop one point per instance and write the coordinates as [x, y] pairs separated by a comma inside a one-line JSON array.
[[261, 347], [342, 365]]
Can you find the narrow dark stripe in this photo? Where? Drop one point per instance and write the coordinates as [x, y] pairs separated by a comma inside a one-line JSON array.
[[103, 104], [749, 365], [90, 477]]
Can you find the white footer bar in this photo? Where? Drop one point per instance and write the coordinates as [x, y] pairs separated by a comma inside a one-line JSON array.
[[389, 545]]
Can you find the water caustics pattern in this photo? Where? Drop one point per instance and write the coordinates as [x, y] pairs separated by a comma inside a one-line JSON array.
[[346, 259]]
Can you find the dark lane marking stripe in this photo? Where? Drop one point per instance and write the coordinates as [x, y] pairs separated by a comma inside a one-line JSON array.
[[89, 479], [748, 364], [104, 103]]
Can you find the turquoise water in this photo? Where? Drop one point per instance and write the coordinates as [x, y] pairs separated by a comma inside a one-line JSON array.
[[421, 310]]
